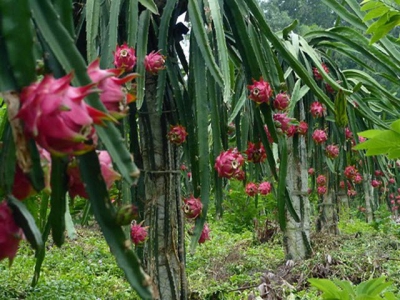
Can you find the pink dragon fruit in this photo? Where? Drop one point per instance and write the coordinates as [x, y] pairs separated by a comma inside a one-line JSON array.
[[75, 184], [265, 188], [350, 172], [329, 89], [251, 189], [22, 187], [281, 101], [317, 74], [241, 175], [292, 130], [392, 180], [256, 152], [205, 234], [10, 233], [228, 163], [342, 184], [177, 134], [124, 57], [332, 151], [138, 233], [302, 128], [311, 171], [319, 136], [154, 62], [192, 207], [358, 178], [112, 92], [378, 173], [348, 134], [321, 190], [321, 180], [351, 193], [56, 116], [317, 109], [376, 183], [260, 91], [282, 122]]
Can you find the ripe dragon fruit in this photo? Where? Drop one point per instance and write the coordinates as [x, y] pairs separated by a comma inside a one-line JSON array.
[[321, 180], [112, 92], [376, 183], [192, 207], [10, 233], [281, 101], [205, 234], [292, 130], [256, 152], [351, 193], [251, 189], [332, 151], [392, 180], [348, 134], [358, 178], [124, 57], [177, 134], [319, 136], [265, 188], [350, 172], [302, 128], [317, 74], [228, 163], [75, 184], [138, 233], [311, 171], [321, 190], [282, 122], [317, 110], [260, 91], [55, 115], [154, 62]]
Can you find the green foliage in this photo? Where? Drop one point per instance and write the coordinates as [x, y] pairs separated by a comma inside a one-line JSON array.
[[344, 290], [385, 142], [82, 269], [386, 14], [241, 211]]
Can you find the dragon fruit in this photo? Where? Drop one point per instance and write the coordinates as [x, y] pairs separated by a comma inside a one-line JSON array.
[[251, 189], [348, 133], [302, 128], [256, 152], [311, 171], [138, 233], [321, 180], [177, 134], [332, 151], [264, 188], [281, 101], [55, 115], [205, 234], [124, 57], [154, 62], [317, 74], [350, 172], [75, 184], [376, 183], [358, 178], [112, 93], [317, 109], [10, 233], [319, 136], [228, 163], [192, 207], [321, 190], [260, 91]]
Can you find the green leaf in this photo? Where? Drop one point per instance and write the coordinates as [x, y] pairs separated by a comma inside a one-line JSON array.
[[103, 211], [7, 160], [376, 13], [17, 33], [223, 57], [59, 189], [24, 219], [150, 5], [143, 33], [202, 40], [107, 57], [329, 289], [92, 28]]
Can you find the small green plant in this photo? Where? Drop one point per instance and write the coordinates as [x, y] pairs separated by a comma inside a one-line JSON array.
[[345, 290]]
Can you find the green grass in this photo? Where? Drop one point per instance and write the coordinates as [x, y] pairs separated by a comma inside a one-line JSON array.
[[229, 266]]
